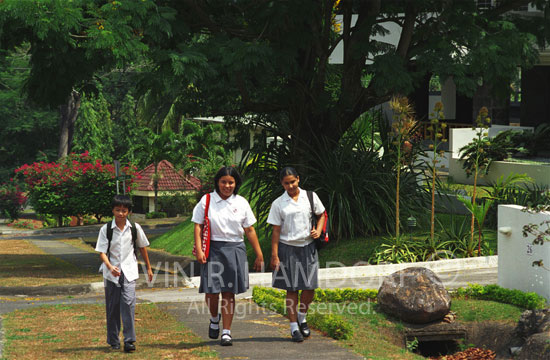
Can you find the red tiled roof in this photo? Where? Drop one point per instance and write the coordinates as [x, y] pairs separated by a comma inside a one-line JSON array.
[[170, 179]]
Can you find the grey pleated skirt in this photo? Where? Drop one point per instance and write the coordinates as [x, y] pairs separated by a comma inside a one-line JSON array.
[[298, 268], [226, 269]]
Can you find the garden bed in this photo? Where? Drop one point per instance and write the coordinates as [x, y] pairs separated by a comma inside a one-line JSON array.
[[539, 171], [353, 318]]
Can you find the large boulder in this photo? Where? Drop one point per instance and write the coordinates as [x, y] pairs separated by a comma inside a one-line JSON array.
[[415, 295]]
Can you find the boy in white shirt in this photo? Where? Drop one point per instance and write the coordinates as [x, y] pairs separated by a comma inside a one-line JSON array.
[[116, 243]]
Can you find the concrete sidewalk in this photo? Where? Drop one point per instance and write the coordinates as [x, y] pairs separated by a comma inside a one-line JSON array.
[[257, 334]]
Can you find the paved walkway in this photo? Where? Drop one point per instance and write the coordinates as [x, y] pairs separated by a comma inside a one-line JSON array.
[[257, 333]]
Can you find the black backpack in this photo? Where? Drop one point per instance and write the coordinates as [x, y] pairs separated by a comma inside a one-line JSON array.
[[133, 229], [322, 240]]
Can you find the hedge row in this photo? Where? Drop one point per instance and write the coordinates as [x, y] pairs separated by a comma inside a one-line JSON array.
[[519, 298], [334, 325]]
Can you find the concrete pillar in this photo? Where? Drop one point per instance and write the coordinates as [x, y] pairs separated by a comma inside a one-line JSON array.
[[448, 98]]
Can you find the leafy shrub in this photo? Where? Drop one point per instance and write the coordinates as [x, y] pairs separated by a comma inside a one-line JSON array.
[[76, 185], [177, 204], [396, 250], [488, 150], [355, 180], [344, 295], [155, 215], [334, 325], [527, 300], [12, 201], [517, 189]]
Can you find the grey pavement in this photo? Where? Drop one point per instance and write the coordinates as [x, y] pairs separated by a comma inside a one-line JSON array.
[[257, 334]]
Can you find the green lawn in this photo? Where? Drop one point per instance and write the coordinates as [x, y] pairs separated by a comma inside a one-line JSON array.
[[179, 241]]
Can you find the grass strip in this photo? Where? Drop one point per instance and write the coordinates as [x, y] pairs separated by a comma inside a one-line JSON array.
[[23, 264], [331, 324], [79, 332], [177, 241]]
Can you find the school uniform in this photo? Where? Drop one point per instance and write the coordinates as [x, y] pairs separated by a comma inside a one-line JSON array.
[[120, 292], [299, 261], [226, 269]]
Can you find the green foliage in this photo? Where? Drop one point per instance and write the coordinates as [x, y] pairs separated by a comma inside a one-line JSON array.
[[12, 201], [531, 143], [518, 189], [155, 215], [498, 148], [334, 325], [94, 128], [396, 250], [178, 203], [526, 300], [354, 181], [344, 295], [27, 131], [76, 185]]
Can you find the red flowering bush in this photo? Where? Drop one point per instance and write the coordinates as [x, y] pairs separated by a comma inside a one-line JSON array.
[[76, 185], [12, 201]]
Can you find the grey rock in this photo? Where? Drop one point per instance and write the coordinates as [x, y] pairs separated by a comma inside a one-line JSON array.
[[533, 322], [415, 295]]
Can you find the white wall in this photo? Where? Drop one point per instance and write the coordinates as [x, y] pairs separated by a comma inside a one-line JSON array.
[[517, 253], [459, 138]]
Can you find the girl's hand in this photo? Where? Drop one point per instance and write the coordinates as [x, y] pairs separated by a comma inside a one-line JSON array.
[[115, 271], [314, 233], [275, 263], [201, 257], [150, 274], [259, 264]]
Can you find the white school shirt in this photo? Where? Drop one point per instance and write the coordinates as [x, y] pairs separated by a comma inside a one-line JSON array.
[[121, 252], [227, 217], [294, 217]]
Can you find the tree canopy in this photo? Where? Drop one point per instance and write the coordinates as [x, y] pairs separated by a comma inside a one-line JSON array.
[[271, 58]]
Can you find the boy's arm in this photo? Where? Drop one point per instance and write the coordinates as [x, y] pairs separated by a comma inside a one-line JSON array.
[[112, 269], [145, 256]]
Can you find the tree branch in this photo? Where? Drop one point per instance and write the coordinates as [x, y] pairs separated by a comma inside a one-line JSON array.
[[407, 31]]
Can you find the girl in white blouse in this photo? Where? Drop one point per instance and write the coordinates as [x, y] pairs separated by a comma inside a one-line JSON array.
[[225, 270], [294, 256]]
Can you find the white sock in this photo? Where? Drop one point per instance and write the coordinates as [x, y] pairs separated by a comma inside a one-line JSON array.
[[226, 332], [301, 317], [293, 327], [217, 320]]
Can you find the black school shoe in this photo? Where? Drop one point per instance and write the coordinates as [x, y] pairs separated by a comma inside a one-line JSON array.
[[214, 333], [129, 347], [304, 329], [226, 340], [297, 336], [115, 347]]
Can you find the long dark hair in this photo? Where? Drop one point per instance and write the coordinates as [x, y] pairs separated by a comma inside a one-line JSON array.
[[228, 171]]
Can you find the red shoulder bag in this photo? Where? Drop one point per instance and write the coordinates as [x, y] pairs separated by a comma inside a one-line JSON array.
[[205, 236]]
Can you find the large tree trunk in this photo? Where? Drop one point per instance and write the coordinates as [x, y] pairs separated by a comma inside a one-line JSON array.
[[68, 114]]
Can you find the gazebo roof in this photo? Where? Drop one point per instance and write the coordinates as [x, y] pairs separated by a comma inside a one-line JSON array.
[[170, 179]]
